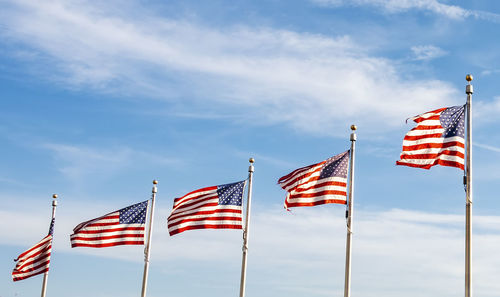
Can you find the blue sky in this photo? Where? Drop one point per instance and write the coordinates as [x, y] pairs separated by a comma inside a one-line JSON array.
[[99, 99]]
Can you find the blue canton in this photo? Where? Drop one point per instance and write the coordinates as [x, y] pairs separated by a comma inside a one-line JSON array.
[[134, 214], [453, 121], [51, 228], [231, 194], [335, 166]]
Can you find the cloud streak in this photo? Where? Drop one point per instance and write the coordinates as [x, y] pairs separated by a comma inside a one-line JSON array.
[[399, 6], [311, 82]]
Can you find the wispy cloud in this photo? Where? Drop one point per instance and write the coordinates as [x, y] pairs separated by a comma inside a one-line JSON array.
[[427, 52], [311, 82], [488, 147], [398, 6]]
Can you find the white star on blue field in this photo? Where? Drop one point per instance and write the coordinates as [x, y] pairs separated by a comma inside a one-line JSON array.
[[98, 99]]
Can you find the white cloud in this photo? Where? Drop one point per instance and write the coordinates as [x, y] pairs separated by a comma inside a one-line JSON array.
[[312, 82], [397, 252], [398, 6], [427, 52]]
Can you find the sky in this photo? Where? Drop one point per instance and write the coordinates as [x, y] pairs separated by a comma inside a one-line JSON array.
[[98, 98]]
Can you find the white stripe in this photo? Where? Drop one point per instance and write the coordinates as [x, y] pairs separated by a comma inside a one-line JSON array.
[[431, 161], [189, 196], [99, 235], [34, 272], [432, 151], [214, 215], [45, 242], [438, 140], [417, 132], [207, 222], [318, 189], [104, 228], [106, 241], [316, 199], [323, 180]]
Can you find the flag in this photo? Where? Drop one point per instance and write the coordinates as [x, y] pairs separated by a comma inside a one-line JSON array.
[[321, 183], [36, 260], [438, 139], [122, 227], [217, 207]]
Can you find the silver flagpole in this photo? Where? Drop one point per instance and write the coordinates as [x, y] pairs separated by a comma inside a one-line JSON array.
[[147, 249], [46, 274], [246, 229], [468, 190], [347, 283]]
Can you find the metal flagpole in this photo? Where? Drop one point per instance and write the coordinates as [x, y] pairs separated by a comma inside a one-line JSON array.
[[349, 215], [468, 191], [246, 229], [147, 249], [46, 274]]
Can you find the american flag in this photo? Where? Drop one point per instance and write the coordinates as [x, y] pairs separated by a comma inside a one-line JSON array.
[[321, 183], [438, 139], [217, 207], [122, 227], [36, 260]]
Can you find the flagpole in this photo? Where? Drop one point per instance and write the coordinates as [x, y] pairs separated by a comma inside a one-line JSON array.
[[147, 249], [468, 190], [246, 229], [46, 274], [347, 283]]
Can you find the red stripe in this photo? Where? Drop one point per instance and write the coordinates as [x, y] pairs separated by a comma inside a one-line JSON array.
[[302, 179], [296, 172], [45, 253], [196, 191], [432, 156], [101, 245], [205, 212], [177, 231], [110, 230], [237, 219], [321, 184], [38, 245], [418, 137], [30, 275], [320, 202], [102, 238], [436, 162], [181, 212], [419, 118], [182, 206], [39, 263], [409, 148], [318, 194]]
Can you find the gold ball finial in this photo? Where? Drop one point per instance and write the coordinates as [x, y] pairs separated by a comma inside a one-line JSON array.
[[54, 196], [155, 182], [354, 128], [469, 77], [251, 160]]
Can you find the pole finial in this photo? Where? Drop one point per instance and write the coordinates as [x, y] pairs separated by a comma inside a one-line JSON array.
[[251, 160], [354, 127], [54, 196], [469, 77], [155, 182]]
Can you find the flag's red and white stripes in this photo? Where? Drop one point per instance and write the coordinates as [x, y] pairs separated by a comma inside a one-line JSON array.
[[424, 146], [107, 231], [305, 186], [200, 209], [34, 261]]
